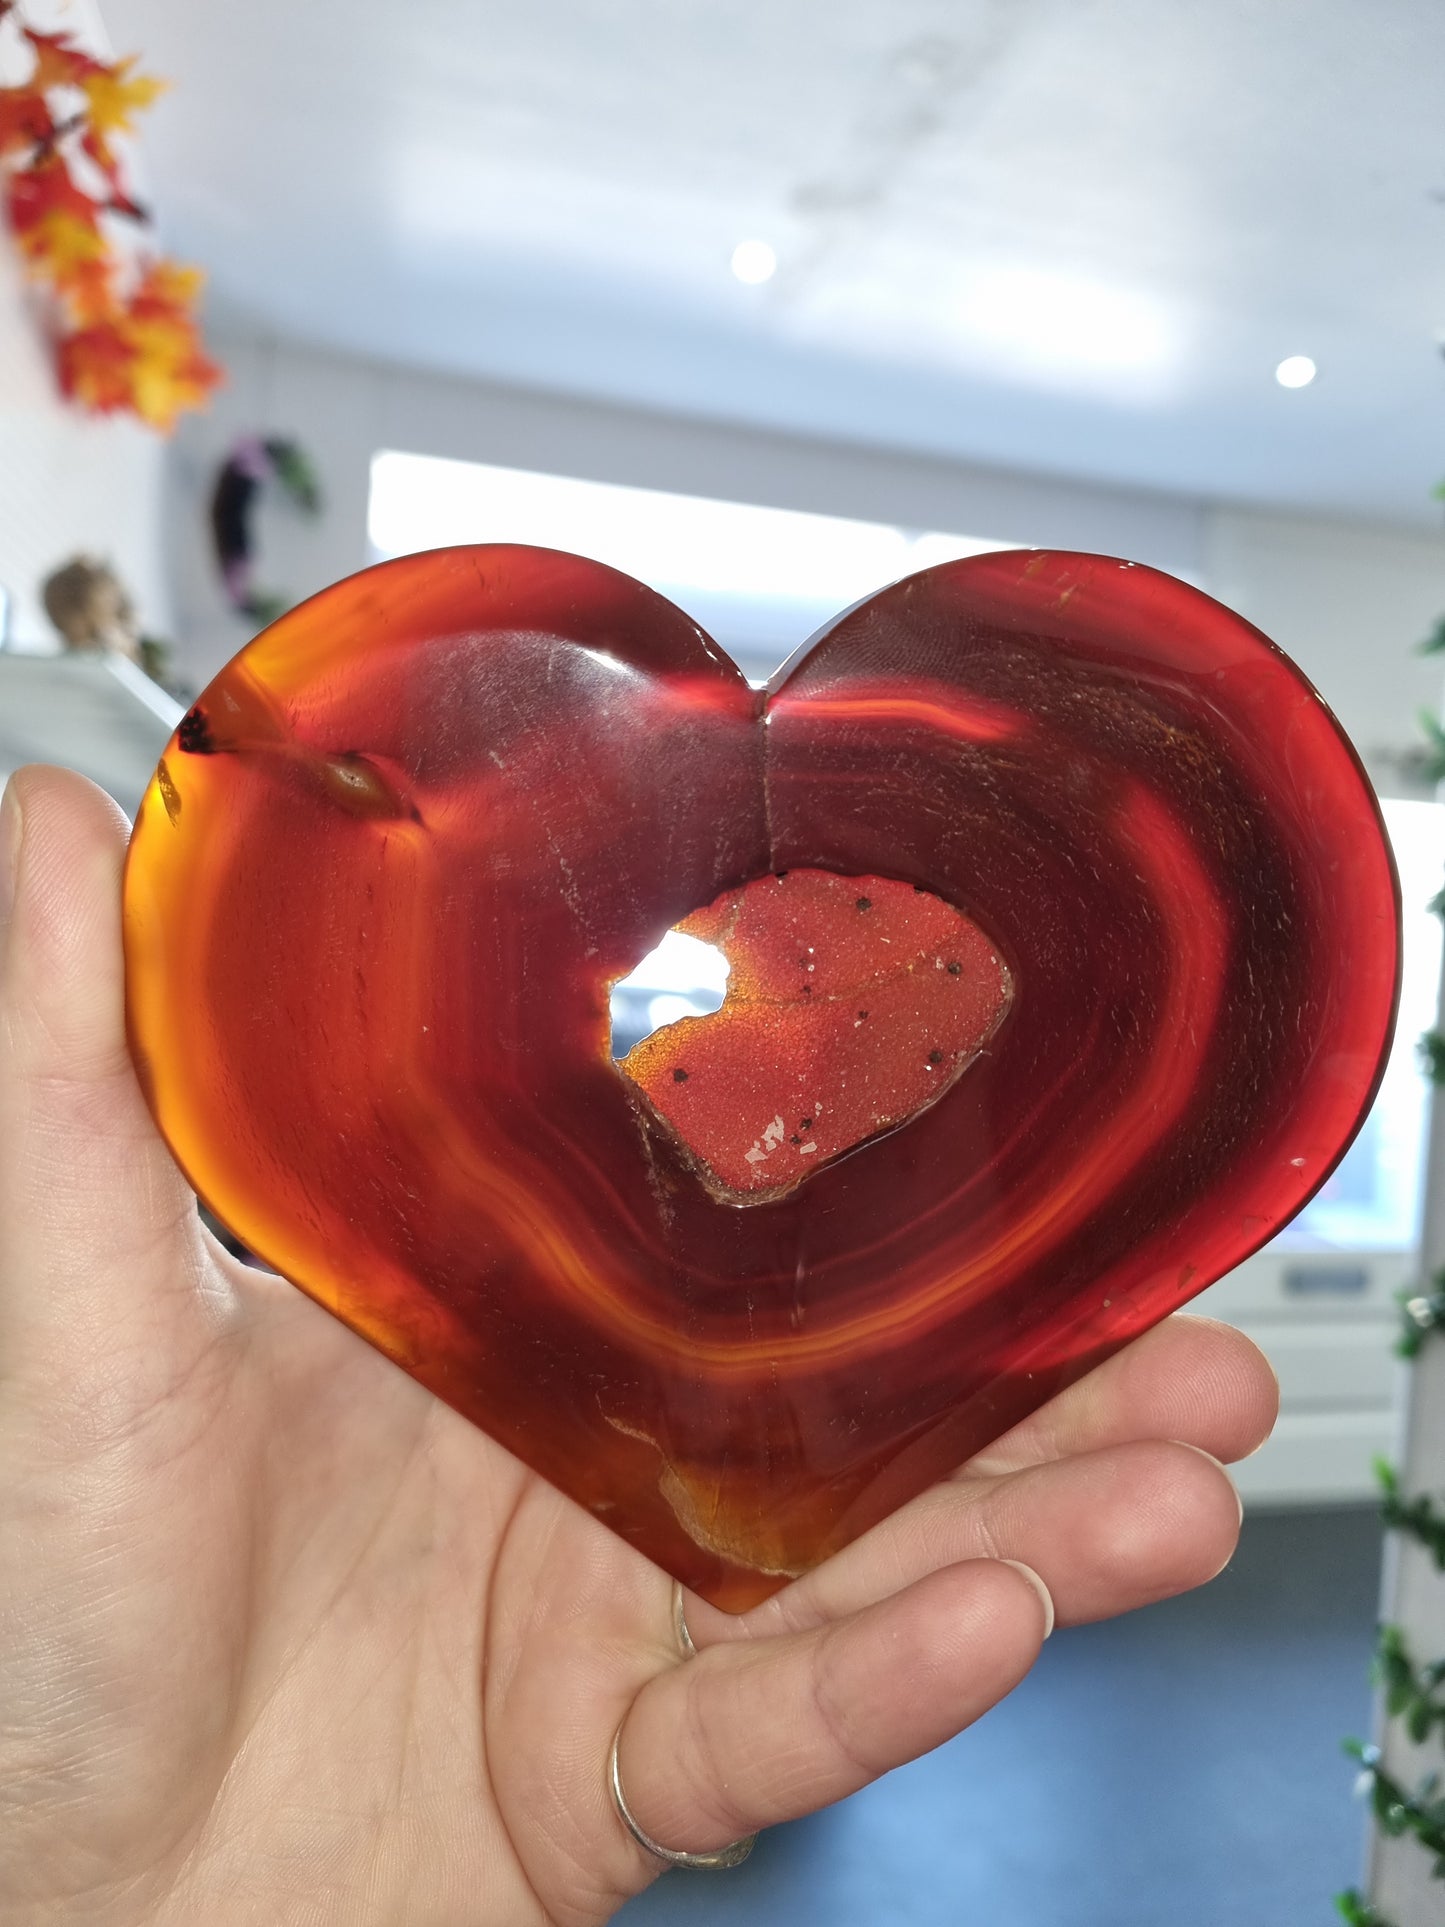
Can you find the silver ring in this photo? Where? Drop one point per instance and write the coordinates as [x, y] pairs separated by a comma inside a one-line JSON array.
[[679, 1623], [731, 1856]]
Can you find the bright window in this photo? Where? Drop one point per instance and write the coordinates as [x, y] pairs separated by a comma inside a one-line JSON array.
[[759, 580], [1373, 1201]]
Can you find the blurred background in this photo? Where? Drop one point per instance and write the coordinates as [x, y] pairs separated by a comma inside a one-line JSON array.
[[768, 305]]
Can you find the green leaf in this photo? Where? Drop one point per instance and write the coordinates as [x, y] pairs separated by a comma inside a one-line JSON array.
[[1434, 767], [1398, 1812], [1431, 1048], [293, 469], [1421, 1313], [1419, 1518], [1353, 1907], [1410, 1343], [1411, 1693]]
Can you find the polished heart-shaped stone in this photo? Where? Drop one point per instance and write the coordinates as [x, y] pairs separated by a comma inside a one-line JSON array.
[[1063, 930]]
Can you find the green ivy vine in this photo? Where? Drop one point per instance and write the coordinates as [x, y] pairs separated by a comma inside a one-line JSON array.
[[1412, 1691]]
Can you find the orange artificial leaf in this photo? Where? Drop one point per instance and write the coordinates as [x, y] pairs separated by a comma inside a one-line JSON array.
[[87, 293], [142, 355], [126, 337], [58, 61], [43, 189], [171, 372], [26, 122], [164, 386], [96, 367], [58, 245], [168, 288], [114, 94]]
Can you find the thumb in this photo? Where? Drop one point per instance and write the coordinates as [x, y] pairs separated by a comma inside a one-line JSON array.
[[97, 1227]]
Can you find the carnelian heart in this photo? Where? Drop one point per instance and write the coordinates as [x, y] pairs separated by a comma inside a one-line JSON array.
[[396, 854]]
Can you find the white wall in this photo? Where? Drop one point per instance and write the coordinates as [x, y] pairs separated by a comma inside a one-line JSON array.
[[69, 483], [1348, 601]]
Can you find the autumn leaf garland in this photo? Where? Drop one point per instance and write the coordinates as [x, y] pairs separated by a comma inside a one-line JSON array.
[[124, 327]]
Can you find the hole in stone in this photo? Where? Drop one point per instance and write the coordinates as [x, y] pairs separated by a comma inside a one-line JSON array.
[[680, 977], [800, 1016]]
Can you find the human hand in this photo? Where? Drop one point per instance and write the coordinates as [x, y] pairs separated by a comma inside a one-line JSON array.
[[283, 1639]]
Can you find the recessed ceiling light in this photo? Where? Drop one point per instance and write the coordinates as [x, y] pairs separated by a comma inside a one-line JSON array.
[[754, 261], [1295, 371]]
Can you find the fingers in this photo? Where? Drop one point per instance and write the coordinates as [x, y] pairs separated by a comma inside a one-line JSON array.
[[754, 1733], [1088, 1491], [1106, 1532], [89, 1196], [1190, 1378], [910, 1634]]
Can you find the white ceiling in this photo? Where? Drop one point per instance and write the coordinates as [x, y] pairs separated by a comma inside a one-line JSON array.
[[1073, 235]]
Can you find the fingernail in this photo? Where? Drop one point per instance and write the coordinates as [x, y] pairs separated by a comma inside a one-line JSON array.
[[1039, 1587], [9, 849]]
